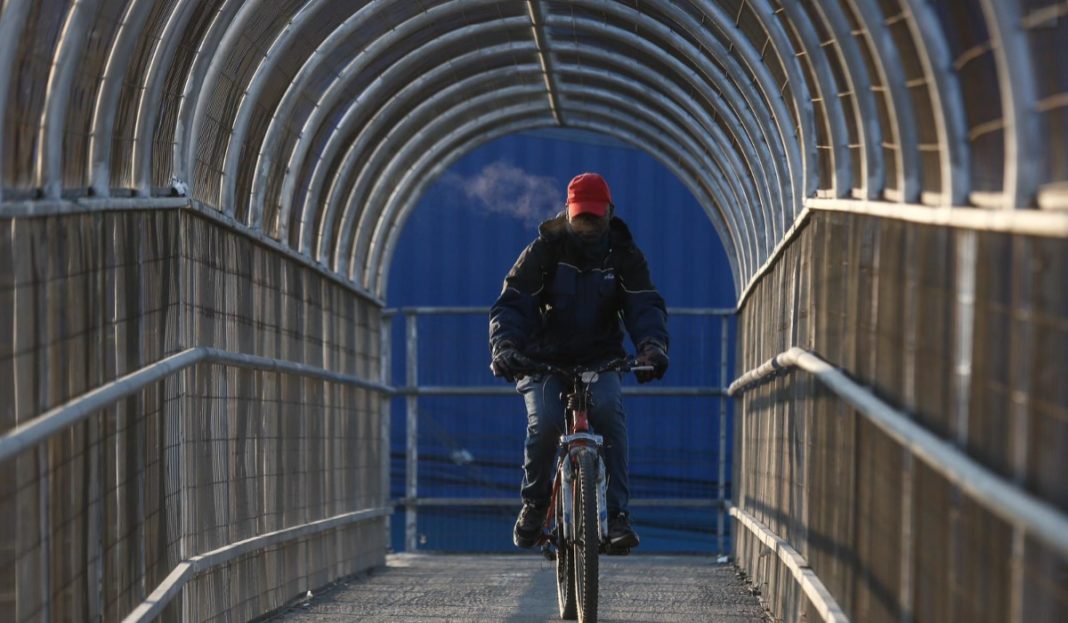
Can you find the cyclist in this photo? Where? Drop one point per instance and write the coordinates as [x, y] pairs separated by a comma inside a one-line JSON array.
[[562, 303]]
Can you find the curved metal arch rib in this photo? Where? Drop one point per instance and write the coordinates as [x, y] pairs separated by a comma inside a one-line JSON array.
[[954, 153], [379, 272], [297, 88], [827, 86], [233, 37], [354, 116], [107, 96], [756, 72], [246, 107], [806, 119], [723, 175], [384, 181], [403, 100], [427, 157], [1025, 145], [412, 133], [741, 88], [49, 163], [152, 83], [630, 72], [333, 94], [344, 171], [716, 184], [899, 100], [490, 134], [633, 68], [194, 85], [11, 25], [855, 72]]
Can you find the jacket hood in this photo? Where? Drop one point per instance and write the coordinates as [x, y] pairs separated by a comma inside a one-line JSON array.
[[555, 229]]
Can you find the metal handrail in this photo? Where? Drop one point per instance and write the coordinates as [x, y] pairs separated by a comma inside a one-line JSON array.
[[153, 605], [814, 588], [1000, 496], [59, 418], [55, 420]]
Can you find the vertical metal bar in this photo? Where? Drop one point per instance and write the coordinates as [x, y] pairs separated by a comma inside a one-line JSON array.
[[411, 491], [905, 579], [1016, 568], [44, 482], [908, 471], [967, 242], [1021, 354], [385, 350], [95, 521], [722, 475], [184, 388]]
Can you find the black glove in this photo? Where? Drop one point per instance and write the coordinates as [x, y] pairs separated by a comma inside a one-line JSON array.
[[509, 362], [651, 353]]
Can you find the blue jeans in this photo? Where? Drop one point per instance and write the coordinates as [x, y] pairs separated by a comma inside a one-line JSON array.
[[545, 424]]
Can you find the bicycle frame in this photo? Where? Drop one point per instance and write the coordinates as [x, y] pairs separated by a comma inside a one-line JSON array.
[[581, 534], [579, 438]]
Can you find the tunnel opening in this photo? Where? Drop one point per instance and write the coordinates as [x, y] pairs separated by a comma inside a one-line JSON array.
[[454, 250]]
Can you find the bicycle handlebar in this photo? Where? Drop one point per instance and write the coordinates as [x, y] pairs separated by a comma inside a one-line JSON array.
[[623, 364]]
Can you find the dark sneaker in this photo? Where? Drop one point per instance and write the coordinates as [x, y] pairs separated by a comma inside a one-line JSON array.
[[620, 534], [528, 526]]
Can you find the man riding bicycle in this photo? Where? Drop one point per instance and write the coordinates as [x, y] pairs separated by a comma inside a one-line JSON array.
[[561, 304]]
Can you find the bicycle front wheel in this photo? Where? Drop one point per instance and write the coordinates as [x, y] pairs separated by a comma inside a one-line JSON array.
[[565, 574], [587, 541]]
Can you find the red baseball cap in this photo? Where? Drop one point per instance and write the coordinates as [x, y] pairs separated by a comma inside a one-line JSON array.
[[588, 194]]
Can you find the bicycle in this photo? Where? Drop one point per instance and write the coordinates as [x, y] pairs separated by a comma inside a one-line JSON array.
[[578, 513]]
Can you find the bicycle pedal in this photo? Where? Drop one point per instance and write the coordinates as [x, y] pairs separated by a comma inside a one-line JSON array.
[[549, 552]]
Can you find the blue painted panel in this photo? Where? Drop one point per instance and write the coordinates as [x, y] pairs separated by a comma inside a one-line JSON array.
[[455, 249]]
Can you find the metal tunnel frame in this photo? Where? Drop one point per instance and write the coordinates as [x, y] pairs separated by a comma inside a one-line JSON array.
[[748, 83], [307, 131]]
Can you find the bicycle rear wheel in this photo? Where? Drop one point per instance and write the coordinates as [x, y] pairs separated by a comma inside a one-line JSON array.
[[587, 542]]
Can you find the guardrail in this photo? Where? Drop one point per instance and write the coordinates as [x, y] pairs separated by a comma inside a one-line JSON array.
[[64, 416], [1026, 514], [412, 390], [39, 429]]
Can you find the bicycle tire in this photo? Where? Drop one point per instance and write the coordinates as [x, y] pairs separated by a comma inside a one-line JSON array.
[[565, 573], [587, 542]]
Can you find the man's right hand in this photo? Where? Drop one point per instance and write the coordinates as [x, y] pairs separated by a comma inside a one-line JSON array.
[[509, 362]]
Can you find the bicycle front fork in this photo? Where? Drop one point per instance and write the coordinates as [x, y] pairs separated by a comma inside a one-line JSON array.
[[567, 499]]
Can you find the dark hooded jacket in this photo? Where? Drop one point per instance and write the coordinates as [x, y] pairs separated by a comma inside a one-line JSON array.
[[563, 305]]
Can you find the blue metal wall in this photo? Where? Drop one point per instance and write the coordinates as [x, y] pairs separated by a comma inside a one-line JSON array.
[[455, 250]]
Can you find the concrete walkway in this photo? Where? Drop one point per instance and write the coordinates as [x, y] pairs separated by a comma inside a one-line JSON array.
[[427, 587]]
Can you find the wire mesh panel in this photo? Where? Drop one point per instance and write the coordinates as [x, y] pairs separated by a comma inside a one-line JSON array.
[[95, 507], [210, 455], [890, 535]]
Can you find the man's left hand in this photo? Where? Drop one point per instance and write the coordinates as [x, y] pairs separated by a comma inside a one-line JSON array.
[[651, 354]]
